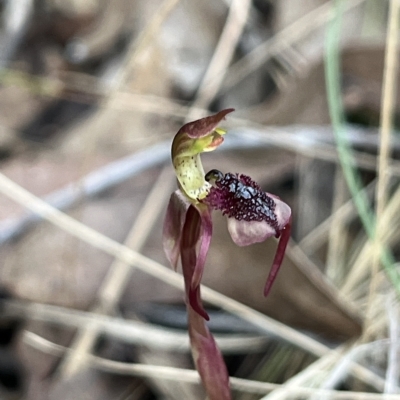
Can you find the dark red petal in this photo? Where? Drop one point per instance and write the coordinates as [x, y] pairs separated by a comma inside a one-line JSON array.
[[196, 303], [205, 234], [204, 126], [208, 358], [173, 225], [280, 253], [190, 237], [245, 233]]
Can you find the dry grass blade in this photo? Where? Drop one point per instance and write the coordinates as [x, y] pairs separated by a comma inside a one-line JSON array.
[[131, 61], [337, 243], [342, 365], [128, 331], [141, 44], [209, 87], [359, 272], [119, 272], [303, 378], [387, 113], [393, 368], [332, 369], [319, 235], [114, 282], [90, 185], [283, 39], [303, 144], [298, 256], [190, 376]]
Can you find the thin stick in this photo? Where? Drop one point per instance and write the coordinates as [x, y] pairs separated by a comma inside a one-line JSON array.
[[300, 144], [393, 368], [342, 365], [313, 240], [90, 185], [387, 112], [191, 376], [337, 243], [359, 270], [158, 338], [118, 274], [306, 265], [140, 45], [212, 80], [283, 39], [131, 61]]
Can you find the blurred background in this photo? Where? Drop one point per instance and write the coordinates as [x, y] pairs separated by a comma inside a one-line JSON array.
[[92, 93]]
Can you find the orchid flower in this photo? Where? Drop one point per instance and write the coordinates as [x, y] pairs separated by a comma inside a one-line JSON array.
[[252, 216]]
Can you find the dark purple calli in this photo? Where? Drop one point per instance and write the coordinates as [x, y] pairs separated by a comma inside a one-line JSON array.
[[253, 216]]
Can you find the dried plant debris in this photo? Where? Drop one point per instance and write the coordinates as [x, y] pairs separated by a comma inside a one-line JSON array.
[[92, 94]]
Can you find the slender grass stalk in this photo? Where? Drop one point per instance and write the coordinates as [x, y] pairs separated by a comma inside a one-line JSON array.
[[115, 281], [346, 158], [392, 371], [222, 57], [387, 110], [191, 376]]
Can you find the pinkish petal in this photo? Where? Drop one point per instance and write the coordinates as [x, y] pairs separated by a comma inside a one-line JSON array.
[[190, 236], [204, 126], [206, 234], [208, 358], [173, 225], [244, 233], [280, 253]]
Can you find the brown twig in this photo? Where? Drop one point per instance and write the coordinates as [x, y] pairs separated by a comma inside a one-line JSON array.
[[387, 112], [117, 277], [222, 57]]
